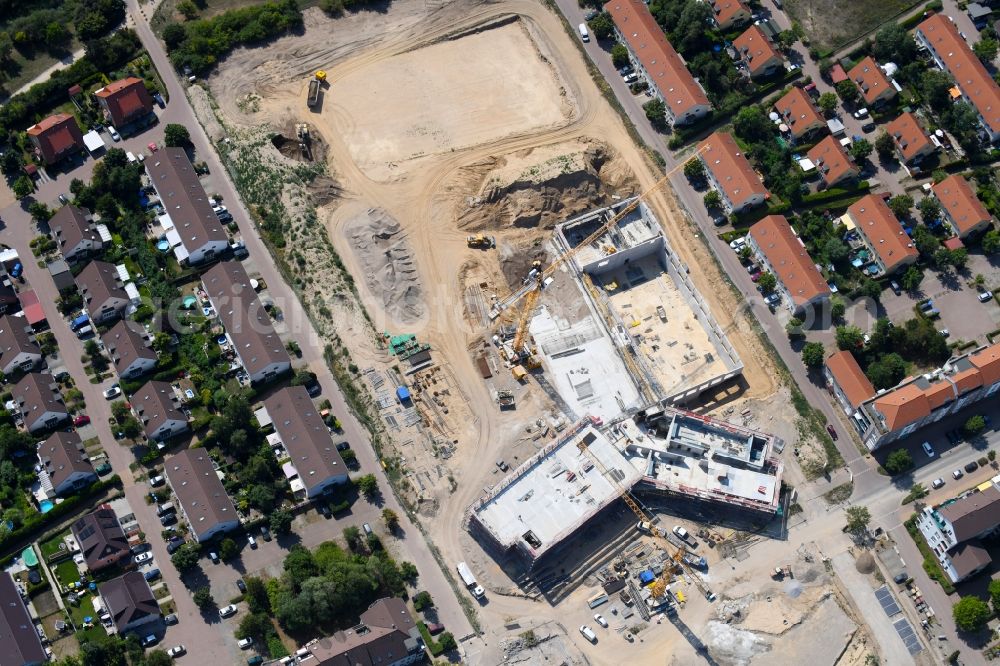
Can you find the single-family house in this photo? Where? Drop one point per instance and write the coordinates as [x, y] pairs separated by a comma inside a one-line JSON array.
[[103, 293], [912, 143], [75, 233], [38, 402], [128, 345], [890, 246], [799, 114], [130, 602], [832, 162], [18, 350], [875, 87], [729, 13], [65, 462], [101, 539], [962, 209], [385, 636], [124, 101], [955, 531], [757, 54], [21, 643], [157, 408], [56, 137]]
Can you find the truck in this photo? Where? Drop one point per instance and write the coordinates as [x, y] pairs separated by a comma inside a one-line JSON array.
[[470, 581], [313, 92], [481, 240]]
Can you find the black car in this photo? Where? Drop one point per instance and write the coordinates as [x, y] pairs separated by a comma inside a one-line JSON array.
[[972, 466], [240, 584], [265, 533], [343, 446], [314, 389], [324, 509], [174, 544]]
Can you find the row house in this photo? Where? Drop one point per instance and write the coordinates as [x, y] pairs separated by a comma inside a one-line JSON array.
[[883, 235], [730, 173], [781, 252], [961, 208]]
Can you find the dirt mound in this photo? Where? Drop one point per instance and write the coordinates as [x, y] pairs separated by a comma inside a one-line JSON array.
[[865, 564], [529, 191], [324, 189], [387, 264]]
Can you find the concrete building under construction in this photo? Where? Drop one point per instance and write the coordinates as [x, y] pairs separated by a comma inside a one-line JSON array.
[[661, 450], [660, 326]]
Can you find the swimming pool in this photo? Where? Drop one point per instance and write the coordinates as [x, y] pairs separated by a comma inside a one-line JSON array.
[[163, 245], [29, 557], [45, 506]]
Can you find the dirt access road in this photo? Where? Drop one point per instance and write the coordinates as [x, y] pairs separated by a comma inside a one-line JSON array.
[[420, 161]]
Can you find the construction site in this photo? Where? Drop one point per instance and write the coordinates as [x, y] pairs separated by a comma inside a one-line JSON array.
[[536, 340]]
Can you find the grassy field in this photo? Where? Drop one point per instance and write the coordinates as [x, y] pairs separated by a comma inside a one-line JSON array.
[[830, 24]]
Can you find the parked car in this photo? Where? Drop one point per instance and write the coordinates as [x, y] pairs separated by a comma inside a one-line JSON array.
[[895, 287], [720, 220], [599, 619], [168, 519], [152, 574], [143, 557], [157, 481], [756, 276], [140, 548], [937, 483], [627, 69], [324, 509], [435, 628], [241, 585], [588, 633], [957, 474], [861, 113], [177, 650], [150, 640], [681, 532], [113, 392], [972, 467], [245, 643], [833, 432], [171, 619], [174, 544], [985, 296], [103, 468], [928, 449], [630, 78], [868, 127], [737, 243], [266, 533], [343, 446], [227, 611], [81, 420], [251, 541], [115, 136], [214, 557]]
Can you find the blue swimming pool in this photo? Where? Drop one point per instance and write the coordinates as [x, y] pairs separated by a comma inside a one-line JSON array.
[[45, 506]]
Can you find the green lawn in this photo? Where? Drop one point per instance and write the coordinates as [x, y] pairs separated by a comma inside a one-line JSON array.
[[66, 572], [51, 547], [829, 25], [82, 610]]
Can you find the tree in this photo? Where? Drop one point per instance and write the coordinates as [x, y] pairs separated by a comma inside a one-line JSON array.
[[203, 598], [256, 595], [894, 44], [256, 626], [176, 136], [835, 250], [262, 497], [958, 258], [975, 425], [813, 354], [447, 641], [930, 209], [827, 103], [913, 276], [619, 55], [994, 590], [871, 289], [422, 600], [986, 50], [409, 572], [352, 536], [767, 282], [300, 565], [391, 519], [849, 338], [602, 26], [712, 199], [935, 86], [787, 39], [858, 518], [991, 241], [861, 149], [186, 557], [887, 371], [885, 146], [753, 125], [847, 91], [971, 613], [656, 113], [368, 486], [900, 205], [157, 658], [228, 549], [898, 462], [837, 309], [173, 35], [22, 187], [10, 163], [794, 328], [694, 169], [281, 521], [187, 9], [40, 212], [56, 36]]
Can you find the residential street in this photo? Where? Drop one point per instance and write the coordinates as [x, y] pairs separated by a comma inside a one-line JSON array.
[[18, 232]]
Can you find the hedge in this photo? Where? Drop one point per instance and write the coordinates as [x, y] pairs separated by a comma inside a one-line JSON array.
[[835, 193], [39, 521]]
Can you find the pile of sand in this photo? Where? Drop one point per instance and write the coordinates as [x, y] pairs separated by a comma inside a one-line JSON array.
[[387, 264], [730, 646]]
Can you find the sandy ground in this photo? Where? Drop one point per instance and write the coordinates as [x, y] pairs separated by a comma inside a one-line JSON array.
[[410, 138]]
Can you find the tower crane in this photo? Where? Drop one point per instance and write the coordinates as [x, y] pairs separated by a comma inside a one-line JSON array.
[[532, 287]]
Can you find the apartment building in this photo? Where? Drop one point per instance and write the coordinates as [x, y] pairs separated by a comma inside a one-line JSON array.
[[729, 172], [961, 208], [781, 252], [198, 489], [883, 235], [658, 63], [952, 54], [955, 530], [124, 101], [56, 137], [928, 398], [847, 381], [21, 644], [385, 636]]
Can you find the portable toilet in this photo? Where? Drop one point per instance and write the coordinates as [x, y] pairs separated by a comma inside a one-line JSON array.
[[403, 394]]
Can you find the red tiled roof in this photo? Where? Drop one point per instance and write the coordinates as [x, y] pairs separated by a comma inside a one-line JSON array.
[[33, 311], [664, 68], [909, 136], [788, 258], [125, 99], [988, 363], [837, 74], [870, 79], [55, 135], [798, 112], [832, 161], [903, 406], [960, 202], [730, 168], [966, 380], [970, 74], [726, 11], [756, 50], [875, 220], [939, 393], [849, 377]]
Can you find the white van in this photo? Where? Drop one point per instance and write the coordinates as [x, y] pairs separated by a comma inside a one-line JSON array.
[[584, 34], [130, 156], [588, 633], [115, 136]]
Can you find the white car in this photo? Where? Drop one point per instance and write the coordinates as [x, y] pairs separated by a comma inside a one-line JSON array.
[[113, 392], [599, 619], [985, 297], [176, 651], [681, 532], [958, 474], [227, 611], [115, 136], [251, 541], [143, 557], [737, 243], [928, 449], [156, 481], [937, 483], [861, 113], [245, 643]]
